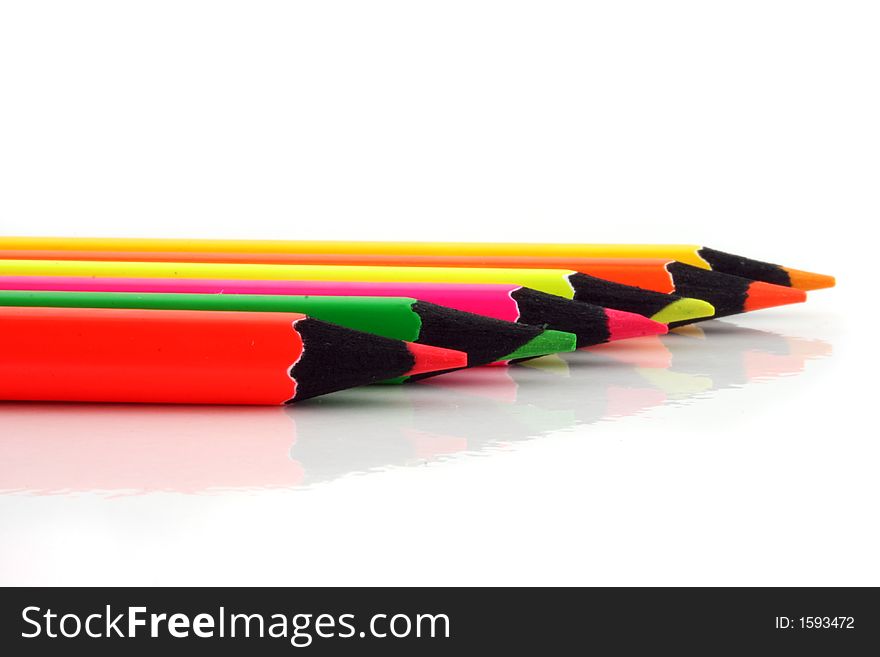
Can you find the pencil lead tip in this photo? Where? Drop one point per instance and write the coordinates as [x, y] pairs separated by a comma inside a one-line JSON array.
[[548, 342], [767, 295], [807, 280], [434, 359], [623, 325], [685, 309]]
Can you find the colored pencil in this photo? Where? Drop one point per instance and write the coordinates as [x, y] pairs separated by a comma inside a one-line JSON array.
[[483, 339], [196, 357], [508, 303], [52, 248], [730, 295], [559, 282], [591, 324]]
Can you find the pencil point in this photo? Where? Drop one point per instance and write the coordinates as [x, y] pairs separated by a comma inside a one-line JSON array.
[[434, 359], [548, 342], [622, 325], [766, 295], [807, 280], [685, 309]]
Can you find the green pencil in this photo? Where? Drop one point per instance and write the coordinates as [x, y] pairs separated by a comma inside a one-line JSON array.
[[483, 339]]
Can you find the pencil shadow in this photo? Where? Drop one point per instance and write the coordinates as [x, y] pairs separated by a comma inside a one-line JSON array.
[[66, 449]]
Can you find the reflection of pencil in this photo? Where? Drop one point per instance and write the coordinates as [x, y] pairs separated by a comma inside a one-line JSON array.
[[649, 351], [758, 364], [745, 355], [676, 385], [424, 421], [765, 341], [513, 303], [197, 357], [49, 248], [560, 282], [330, 445], [63, 448], [595, 389], [587, 390], [493, 383]]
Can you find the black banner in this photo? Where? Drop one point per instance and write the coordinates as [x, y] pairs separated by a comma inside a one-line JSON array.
[[437, 621]]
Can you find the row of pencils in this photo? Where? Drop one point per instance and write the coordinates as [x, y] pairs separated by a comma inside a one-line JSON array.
[[273, 322]]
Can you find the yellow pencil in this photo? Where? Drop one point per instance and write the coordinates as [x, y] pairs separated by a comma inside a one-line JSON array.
[[666, 308], [54, 247]]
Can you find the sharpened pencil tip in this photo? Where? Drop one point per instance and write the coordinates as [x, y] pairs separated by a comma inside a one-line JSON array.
[[548, 342], [434, 359], [685, 309], [767, 295], [623, 325], [807, 280]]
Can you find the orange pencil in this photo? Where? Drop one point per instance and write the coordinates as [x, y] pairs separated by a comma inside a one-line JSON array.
[[57, 248], [729, 294]]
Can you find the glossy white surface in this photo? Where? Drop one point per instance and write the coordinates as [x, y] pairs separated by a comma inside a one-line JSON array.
[[744, 455], [709, 455]]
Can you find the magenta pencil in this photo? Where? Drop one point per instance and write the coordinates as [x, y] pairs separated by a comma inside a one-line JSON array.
[[592, 324]]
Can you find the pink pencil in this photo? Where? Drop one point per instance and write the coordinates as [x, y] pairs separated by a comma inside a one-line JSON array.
[[592, 324]]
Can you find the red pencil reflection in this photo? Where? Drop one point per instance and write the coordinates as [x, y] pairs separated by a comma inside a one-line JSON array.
[[129, 449]]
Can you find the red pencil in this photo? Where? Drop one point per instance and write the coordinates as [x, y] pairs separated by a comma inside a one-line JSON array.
[[196, 357]]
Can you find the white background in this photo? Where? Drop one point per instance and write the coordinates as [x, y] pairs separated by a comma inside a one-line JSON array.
[[732, 457]]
